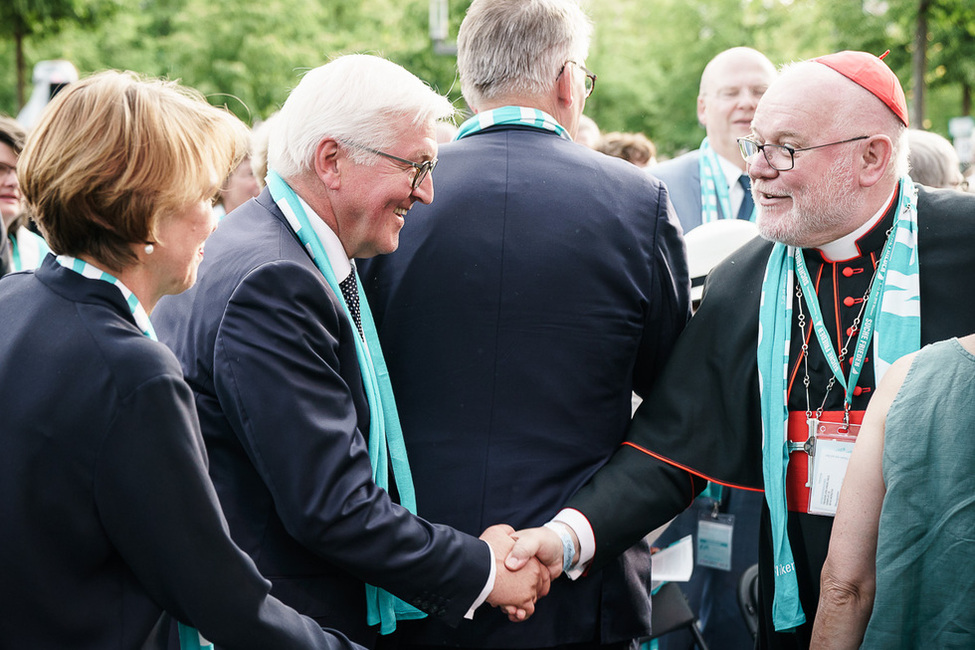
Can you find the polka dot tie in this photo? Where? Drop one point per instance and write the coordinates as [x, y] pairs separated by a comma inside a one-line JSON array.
[[350, 291]]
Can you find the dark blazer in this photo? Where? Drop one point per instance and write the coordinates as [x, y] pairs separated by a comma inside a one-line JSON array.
[[269, 354], [543, 285], [107, 515]]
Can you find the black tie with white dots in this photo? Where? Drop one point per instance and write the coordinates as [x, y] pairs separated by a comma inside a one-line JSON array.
[[350, 291]]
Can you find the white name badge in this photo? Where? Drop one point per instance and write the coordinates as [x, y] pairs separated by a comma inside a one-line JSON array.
[[834, 445], [714, 535]]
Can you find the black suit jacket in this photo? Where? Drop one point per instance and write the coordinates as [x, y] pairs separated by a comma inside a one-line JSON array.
[[107, 515], [269, 354], [543, 284]]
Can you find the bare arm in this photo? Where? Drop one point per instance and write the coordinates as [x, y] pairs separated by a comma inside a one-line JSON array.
[[849, 576]]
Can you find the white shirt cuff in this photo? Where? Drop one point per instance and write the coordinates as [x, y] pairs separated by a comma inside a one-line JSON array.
[[487, 587], [587, 540]]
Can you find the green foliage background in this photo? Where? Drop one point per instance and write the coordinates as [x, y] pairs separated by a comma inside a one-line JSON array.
[[648, 54]]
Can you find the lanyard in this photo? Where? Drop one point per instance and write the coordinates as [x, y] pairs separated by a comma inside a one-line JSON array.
[[866, 332]]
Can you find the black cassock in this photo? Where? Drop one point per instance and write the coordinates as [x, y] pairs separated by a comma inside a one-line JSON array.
[[704, 413]]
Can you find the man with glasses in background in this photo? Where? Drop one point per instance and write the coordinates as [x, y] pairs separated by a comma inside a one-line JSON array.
[[294, 401], [707, 185], [521, 310], [769, 382], [710, 182]]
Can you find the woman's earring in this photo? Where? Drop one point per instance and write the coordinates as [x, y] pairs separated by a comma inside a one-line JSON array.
[[149, 249]]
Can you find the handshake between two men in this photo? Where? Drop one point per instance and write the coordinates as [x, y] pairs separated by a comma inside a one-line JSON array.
[[527, 561]]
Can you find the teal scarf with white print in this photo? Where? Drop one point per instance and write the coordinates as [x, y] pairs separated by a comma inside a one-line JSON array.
[[385, 433], [897, 332]]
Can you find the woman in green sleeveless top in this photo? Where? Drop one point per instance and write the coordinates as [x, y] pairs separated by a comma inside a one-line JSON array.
[[901, 566]]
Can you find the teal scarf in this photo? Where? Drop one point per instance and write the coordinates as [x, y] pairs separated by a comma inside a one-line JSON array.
[[511, 115], [189, 637], [894, 303], [714, 187], [385, 434], [87, 270]]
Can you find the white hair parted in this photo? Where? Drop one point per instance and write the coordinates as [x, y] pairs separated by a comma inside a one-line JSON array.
[[518, 47], [354, 98]]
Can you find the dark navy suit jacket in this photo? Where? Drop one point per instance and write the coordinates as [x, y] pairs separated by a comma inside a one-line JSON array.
[[107, 516], [542, 285], [269, 354]]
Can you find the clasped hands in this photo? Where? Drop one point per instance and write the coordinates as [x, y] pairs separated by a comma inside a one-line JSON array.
[[527, 561]]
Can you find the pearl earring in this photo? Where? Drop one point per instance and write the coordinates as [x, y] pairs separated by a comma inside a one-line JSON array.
[[149, 249]]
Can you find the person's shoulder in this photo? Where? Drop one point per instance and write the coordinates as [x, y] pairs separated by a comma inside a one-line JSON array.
[[939, 205], [677, 166], [129, 357]]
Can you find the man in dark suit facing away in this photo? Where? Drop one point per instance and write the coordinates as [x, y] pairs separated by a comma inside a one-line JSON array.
[[280, 350], [522, 308]]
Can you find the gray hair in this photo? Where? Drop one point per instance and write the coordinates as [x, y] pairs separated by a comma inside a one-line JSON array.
[[934, 161], [353, 98], [518, 47]]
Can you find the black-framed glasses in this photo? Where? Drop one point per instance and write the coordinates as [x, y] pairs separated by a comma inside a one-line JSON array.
[[423, 169], [782, 157], [590, 76]]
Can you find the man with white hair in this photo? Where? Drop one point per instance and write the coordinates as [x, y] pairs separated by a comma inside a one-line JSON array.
[[523, 307], [769, 382], [294, 401]]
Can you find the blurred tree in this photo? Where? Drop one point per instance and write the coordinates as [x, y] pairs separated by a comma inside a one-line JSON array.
[[20, 19], [248, 54]]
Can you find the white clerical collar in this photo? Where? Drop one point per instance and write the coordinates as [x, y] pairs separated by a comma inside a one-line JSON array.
[[337, 258], [845, 248]]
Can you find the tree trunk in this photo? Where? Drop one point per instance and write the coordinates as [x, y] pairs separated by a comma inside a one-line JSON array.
[[19, 49], [920, 62], [966, 98]]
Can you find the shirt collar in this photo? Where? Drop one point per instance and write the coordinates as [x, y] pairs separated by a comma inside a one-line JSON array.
[[339, 261], [731, 171]]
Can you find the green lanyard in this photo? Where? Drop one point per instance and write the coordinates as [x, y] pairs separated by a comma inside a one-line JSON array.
[[869, 318]]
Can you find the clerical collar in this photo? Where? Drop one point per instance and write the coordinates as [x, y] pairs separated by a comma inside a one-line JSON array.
[[334, 249], [847, 247]]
